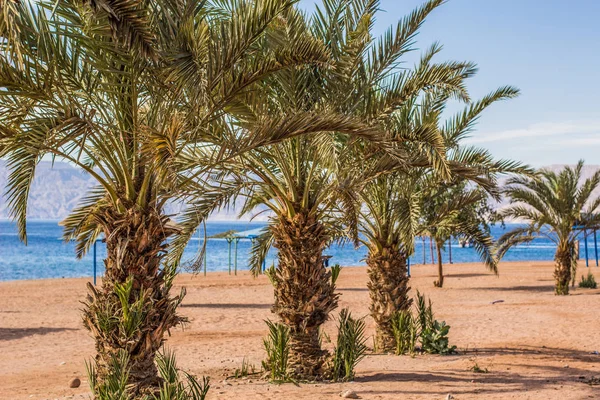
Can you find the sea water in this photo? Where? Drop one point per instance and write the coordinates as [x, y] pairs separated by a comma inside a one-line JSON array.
[[48, 256]]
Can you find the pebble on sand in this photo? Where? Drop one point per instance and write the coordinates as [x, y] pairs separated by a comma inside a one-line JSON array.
[[74, 383], [349, 394]]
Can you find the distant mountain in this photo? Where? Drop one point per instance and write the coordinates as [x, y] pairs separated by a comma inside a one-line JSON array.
[[58, 187]]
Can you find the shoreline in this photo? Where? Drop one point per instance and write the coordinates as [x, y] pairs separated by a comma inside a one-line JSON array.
[[240, 271]]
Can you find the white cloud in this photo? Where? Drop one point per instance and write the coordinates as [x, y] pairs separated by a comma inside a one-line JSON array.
[[541, 130], [577, 142]]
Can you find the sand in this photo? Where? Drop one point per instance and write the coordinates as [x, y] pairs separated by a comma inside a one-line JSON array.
[[534, 345]]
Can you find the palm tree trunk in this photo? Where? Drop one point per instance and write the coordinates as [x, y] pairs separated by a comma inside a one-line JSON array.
[[562, 269], [440, 281], [132, 310], [304, 293], [388, 289]]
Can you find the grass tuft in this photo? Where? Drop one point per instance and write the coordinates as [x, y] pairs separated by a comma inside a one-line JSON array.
[[588, 282], [277, 346], [350, 347]]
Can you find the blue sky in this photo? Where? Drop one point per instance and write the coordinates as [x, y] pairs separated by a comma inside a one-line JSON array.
[[549, 49]]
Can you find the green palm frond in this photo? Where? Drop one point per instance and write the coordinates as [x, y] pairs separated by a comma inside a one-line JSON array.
[[514, 238], [208, 199], [81, 224], [129, 22], [260, 248], [461, 125], [395, 43]]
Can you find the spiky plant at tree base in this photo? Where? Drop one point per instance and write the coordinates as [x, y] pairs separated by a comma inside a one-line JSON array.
[[350, 347]]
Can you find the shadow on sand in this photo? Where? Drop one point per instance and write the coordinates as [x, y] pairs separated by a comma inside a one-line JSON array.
[[503, 380], [226, 305], [19, 333]]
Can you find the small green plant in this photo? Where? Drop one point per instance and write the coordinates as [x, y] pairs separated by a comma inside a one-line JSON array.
[[434, 339], [478, 370], [406, 332], [174, 386], [277, 346], [270, 273], [588, 282], [433, 334], [350, 347], [245, 370], [335, 273]]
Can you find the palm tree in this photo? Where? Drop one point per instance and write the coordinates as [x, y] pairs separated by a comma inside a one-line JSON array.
[[308, 183], [556, 206], [395, 203], [457, 210], [129, 91]]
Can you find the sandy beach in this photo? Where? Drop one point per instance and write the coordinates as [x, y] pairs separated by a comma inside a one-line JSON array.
[[534, 344]]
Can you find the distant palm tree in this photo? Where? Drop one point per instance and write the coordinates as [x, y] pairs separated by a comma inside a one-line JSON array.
[[311, 183], [457, 211], [132, 92], [556, 206]]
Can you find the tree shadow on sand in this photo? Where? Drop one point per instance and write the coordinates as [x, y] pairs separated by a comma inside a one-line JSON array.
[[466, 275], [496, 381], [227, 305], [19, 333], [438, 384], [553, 353], [532, 288]]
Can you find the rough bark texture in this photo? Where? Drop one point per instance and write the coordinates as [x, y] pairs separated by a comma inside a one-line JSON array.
[[388, 289], [304, 293], [562, 270], [440, 282], [137, 321]]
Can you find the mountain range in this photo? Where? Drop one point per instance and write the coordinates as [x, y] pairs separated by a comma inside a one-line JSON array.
[[58, 187]]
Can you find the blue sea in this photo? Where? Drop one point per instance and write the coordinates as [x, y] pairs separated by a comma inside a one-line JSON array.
[[47, 256]]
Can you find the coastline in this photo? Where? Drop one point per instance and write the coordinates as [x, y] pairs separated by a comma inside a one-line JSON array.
[[245, 272]]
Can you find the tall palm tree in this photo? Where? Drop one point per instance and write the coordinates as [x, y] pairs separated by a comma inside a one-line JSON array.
[[395, 202], [556, 206], [129, 91], [308, 182]]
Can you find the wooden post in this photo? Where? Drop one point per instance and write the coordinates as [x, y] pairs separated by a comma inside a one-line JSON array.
[[95, 242], [587, 264], [235, 260], [596, 246]]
